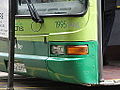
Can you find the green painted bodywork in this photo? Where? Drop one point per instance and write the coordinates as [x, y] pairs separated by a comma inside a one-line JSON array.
[[33, 47], [71, 28], [73, 69]]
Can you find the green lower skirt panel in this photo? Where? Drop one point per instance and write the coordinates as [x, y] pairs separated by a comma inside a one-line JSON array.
[[82, 69], [73, 70]]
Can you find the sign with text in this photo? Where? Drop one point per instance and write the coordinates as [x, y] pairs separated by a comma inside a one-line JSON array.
[[4, 18]]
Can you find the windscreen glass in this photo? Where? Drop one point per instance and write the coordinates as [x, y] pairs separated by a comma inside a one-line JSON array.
[[53, 7]]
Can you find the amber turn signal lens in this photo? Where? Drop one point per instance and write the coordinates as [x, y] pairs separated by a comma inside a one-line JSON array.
[[77, 50]]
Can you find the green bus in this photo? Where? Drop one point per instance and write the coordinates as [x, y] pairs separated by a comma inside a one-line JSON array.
[[59, 40]]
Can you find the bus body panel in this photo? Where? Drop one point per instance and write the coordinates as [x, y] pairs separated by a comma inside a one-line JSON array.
[[67, 68], [32, 49], [82, 28]]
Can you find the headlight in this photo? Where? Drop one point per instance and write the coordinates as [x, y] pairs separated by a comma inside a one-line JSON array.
[[69, 49], [57, 49]]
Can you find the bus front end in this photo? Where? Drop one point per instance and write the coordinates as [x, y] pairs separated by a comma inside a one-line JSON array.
[[56, 39]]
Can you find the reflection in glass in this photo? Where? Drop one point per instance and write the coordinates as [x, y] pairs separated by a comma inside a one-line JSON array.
[[54, 7]]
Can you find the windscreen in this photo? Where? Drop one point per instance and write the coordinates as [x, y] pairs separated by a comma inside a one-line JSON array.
[[53, 7]]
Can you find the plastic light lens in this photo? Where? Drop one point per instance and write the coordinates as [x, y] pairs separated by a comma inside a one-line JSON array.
[[77, 50], [57, 49]]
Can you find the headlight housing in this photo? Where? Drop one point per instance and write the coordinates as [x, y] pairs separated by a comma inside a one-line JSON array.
[[69, 49], [57, 49]]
